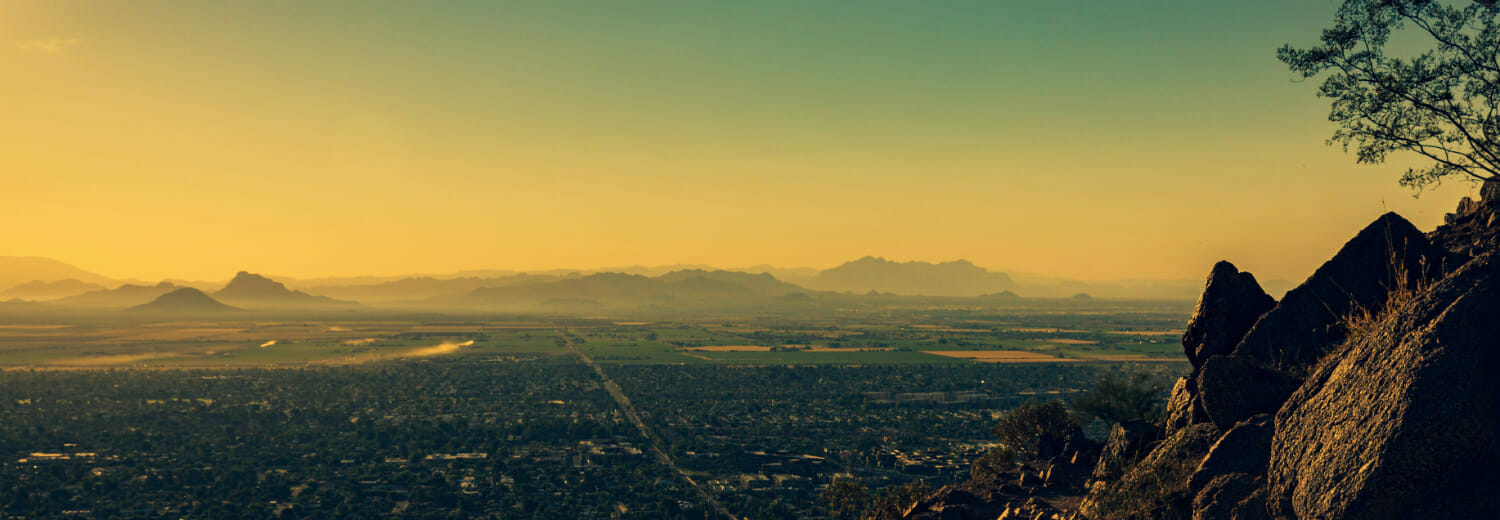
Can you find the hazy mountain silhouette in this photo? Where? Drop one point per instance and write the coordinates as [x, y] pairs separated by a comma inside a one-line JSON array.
[[16, 270], [128, 295], [688, 287], [956, 278], [251, 290], [185, 300], [39, 290], [424, 287]]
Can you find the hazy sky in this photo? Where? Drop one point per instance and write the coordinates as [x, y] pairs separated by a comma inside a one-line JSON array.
[[1124, 139]]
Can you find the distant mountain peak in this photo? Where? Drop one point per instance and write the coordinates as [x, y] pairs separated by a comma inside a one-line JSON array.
[[952, 278], [186, 299], [253, 290]]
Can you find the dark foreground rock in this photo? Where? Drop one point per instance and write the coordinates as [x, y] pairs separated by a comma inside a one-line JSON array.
[[1388, 253], [1155, 487], [1183, 408], [1245, 449], [1404, 424], [1230, 304], [1128, 442], [1233, 388]]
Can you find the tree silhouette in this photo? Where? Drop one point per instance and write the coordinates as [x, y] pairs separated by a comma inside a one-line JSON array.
[[1438, 101]]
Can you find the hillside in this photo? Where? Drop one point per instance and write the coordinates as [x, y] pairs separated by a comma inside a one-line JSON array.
[[186, 300], [956, 278], [16, 270], [39, 290], [254, 291]]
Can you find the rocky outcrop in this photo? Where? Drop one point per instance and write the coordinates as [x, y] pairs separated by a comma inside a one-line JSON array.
[[1155, 487], [1128, 442], [1222, 495], [1388, 253], [1037, 489], [1406, 422], [1183, 408], [1233, 388], [1244, 449], [1400, 421], [1231, 302]]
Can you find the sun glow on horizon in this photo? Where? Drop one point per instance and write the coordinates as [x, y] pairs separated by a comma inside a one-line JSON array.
[[192, 140]]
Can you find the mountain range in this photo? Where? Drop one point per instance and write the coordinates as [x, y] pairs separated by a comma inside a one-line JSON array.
[[49, 290], [693, 287], [17, 270], [956, 278], [42, 279]]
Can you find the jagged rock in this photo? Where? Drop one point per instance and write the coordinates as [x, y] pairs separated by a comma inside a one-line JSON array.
[[1405, 422], [1155, 487], [1184, 408], [1388, 253], [1245, 448], [1467, 206], [1230, 304], [1222, 495], [1128, 442], [1064, 475], [1233, 388]]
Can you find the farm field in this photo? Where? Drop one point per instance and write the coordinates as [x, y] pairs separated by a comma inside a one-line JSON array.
[[1112, 332]]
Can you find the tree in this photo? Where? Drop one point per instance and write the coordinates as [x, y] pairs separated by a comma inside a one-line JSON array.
[[1439, 103], [1118, 398], [1035, 428], [845, 498]]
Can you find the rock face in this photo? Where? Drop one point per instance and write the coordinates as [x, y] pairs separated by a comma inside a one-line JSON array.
[[1230, 304], [1183, 406], [1128, 442], [1155, 487], [1233, 388], [1388, 253], [1406, 422], [1244, 449]]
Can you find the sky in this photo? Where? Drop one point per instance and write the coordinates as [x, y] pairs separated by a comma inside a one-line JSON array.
[[1093, 140]]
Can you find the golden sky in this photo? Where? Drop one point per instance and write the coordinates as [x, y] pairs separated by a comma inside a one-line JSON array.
[[1094, 140]]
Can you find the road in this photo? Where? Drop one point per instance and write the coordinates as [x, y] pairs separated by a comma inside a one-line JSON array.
[[635, 418]]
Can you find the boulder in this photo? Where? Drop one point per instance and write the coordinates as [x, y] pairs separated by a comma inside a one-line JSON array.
[[1184, 408], [1064, 475], [1222, 495], [1405, 423], [1233, 388], [1245, 449], [1230, 304], [1128, 442], [1388, 253], [1155, 487]]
